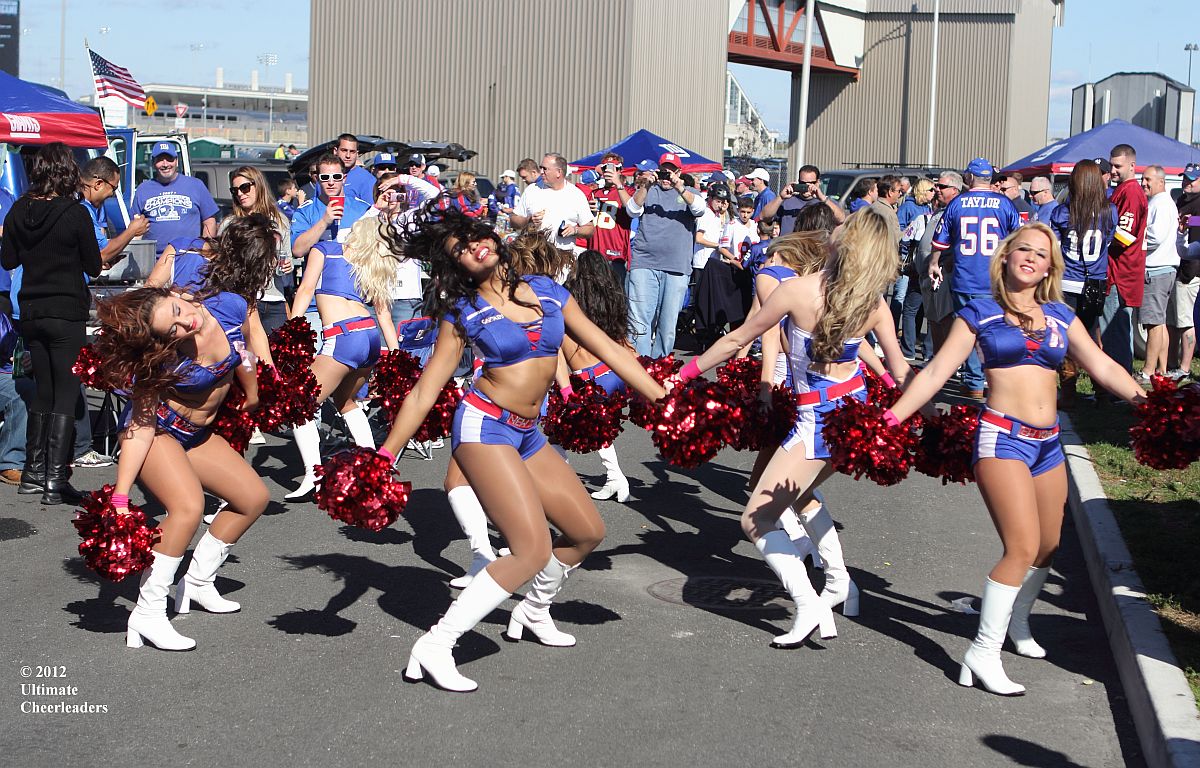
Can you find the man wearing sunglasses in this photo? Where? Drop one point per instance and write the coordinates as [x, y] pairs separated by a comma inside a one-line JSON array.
[[98, 182], [177, 205], [330, 213]]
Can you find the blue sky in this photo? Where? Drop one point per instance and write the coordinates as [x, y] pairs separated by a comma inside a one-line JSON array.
[[1100, 37]]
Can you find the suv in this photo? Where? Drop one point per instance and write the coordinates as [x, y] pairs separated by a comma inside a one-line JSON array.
[[838, 183]]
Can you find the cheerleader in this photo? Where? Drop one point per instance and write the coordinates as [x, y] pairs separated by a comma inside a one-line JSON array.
[[344, 279], [1024, 332], [828, 313], [177, 355], [516, 324], [594, 286]]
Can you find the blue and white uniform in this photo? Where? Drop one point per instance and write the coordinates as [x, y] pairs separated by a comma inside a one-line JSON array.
[[818, 394], [780, 274], [1004, 345], [601, 374], [229, 310], [499, 342], [353, 342]]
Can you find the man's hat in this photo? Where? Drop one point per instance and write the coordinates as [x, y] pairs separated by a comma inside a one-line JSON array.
[[415, 159], [980, 168], [383, 158], [589, 177], [718, 191], [647, 165], [164, 148], [670, 158], [1105, 166], [1191, 171]]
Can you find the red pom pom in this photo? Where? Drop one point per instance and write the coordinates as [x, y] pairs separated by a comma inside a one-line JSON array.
[[693, 422], [285, 400], [293, 346], [641, 411], [232, 423], [741, 375], [587, 421], [394, 377], [357, 486], [880, 392], [763, 426], [88, 367], [1167, 433], [861, 443], [948, 445], [114, 545]]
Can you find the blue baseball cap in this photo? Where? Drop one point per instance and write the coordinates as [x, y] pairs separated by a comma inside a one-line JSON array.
[[647, 165], [589, 177], [1191, 171], [164, 148], [384, 158], [980, 168]]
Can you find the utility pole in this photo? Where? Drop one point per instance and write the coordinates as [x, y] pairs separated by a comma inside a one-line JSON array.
[[810, 21], [933, 86]]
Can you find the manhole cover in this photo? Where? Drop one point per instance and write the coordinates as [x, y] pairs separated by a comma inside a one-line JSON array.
[[15, 528], [721, 594]]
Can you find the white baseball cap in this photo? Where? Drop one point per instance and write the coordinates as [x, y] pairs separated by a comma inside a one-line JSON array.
[[508, 174], [759, 173], [433, 170]]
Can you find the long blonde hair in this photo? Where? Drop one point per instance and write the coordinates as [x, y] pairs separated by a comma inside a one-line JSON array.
[[864, 261], [265, 204], [1048, 289], [372, 261], [802, 252]]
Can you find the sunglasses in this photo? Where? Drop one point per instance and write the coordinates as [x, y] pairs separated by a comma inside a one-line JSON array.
[[944, 186], [386, 168], [242, 189], [330, 176]]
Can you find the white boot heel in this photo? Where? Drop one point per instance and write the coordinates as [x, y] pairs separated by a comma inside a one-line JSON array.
[[133, 639], [965, 677], [413, 672], [515, 629], [850, 604]]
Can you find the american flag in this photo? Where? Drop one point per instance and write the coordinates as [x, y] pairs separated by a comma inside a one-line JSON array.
[[112, 80]]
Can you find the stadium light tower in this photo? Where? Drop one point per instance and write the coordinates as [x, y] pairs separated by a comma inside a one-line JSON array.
[[269, 60], [1190, 48]]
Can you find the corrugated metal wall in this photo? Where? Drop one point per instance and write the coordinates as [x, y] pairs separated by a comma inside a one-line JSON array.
[[884, 116], [517, 78]]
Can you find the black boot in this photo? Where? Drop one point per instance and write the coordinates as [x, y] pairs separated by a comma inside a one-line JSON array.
[[33, 477], [60, 445]]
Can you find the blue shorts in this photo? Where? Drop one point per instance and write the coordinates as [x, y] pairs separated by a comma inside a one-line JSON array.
[[604, 376], [1003, 437], [479, 420], [810, 419], [353, 342], [167, 421]]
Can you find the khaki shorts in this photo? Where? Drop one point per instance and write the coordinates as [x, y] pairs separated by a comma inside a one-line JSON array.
[[1183, 298]]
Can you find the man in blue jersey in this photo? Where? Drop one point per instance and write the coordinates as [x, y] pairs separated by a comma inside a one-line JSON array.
[[759, 181], [177, 205], [359, 181], [971, 229], [320, 219], [1041, 193]]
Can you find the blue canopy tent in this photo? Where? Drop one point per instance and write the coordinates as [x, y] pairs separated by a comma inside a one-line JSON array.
[[34, 114], [644, 145], [1152, 149]]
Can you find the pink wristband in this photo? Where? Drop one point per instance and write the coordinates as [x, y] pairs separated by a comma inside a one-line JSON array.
[[890, 419], [120, 500], [385, 453], [689, 371], [887, 379], [566, 392]]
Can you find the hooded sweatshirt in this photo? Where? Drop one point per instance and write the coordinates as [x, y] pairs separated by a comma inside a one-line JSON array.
[[55, 242]]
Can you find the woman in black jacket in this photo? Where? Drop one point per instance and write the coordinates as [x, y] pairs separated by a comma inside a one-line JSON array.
[[50, 235]]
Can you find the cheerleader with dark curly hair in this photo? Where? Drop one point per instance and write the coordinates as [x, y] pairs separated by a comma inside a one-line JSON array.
[[516, 325], [177, 354]]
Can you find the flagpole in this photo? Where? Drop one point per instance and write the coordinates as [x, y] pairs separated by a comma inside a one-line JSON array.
[[87, 49]]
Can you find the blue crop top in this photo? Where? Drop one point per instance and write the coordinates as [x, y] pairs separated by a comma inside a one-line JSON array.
[[781, 274], [337, 278], [1004, 345], [187, 264], [229, 310], [499, 341]]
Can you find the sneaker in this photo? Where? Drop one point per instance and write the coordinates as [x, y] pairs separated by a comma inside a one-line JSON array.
[[1141, 378], [1178, 373], [256, 437], [438, 443], [93, 459], [10, 476]]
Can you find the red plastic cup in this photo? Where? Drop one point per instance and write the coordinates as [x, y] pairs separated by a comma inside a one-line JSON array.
[[339, 201]]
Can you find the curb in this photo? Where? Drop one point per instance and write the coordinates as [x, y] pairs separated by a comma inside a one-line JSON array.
[[1160, 700]]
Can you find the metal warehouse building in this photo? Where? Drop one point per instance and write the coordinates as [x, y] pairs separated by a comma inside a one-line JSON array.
[[516, 78]]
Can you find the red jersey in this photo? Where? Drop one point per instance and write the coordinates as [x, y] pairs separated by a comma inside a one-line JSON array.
[[1127, 253], [613, 224]]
